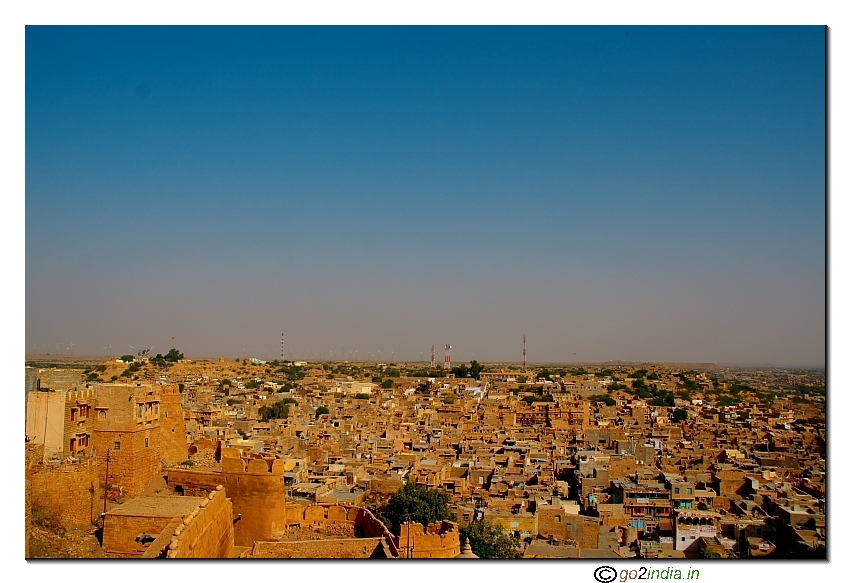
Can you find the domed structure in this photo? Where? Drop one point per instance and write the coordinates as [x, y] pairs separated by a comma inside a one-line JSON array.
[[466, 551]]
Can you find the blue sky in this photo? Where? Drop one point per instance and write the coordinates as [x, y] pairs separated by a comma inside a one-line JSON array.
[[631, 193]]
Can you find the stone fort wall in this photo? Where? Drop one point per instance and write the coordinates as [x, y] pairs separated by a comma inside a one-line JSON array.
[[319, 516], [255, 487], [440, 540], [350, 548], [205, 533], [173, 445], [69, 491]]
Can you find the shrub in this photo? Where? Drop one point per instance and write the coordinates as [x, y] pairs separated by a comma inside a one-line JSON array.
[[279, 410], [46, 519], [680, 415], [489, 540], [417, 504]]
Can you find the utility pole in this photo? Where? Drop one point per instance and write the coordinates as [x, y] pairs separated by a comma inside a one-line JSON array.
[[46, 416], [105, 488], [409, 550]]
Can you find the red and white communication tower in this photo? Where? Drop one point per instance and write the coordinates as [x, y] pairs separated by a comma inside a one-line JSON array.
[[433, 358], [447, 363], [523, 353]]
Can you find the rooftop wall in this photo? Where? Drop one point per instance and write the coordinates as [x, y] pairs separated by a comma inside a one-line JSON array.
[[351, 548], [69, 491], [439, 540], [255, 487], [206, 533], [320, 515], [174, 447]]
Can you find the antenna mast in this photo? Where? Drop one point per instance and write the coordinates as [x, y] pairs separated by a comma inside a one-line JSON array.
[[523, 353]]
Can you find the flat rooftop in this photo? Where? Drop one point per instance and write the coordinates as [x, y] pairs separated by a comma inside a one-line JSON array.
[[157, 506]]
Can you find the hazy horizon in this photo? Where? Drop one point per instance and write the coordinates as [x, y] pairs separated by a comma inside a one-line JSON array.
[[206, 358], [643, 194]]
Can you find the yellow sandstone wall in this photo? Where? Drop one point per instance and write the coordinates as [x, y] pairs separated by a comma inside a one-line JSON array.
[[68, 491], [207, 533], [437, 541], [352, 548], [173, 445], [255, 488]]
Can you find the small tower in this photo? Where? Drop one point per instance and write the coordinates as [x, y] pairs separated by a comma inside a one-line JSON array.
[[523, 353], [466, 551]]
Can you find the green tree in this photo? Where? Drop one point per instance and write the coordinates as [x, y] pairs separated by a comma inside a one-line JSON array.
[[173, 355], [279, 410], [602, 399], [416, 504], [322, 410], [128, 358], [662, 401], [461, 371], [475, 369], [727, 401], [489, 540], [387, 384], [544, 399], [680, 414]]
